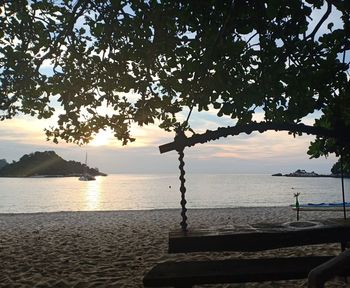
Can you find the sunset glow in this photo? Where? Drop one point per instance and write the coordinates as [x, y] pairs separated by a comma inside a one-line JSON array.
[[103, 138], [25, 135]]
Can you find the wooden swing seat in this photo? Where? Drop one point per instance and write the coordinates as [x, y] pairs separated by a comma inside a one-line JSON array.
[[258, 237], [189, 273], [261, 236]]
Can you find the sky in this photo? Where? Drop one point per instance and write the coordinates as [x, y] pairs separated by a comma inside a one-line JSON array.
[[266, 153], [270, 152]]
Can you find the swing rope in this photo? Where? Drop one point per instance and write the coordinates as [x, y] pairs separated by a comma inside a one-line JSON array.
[[180, 138], [183, 191]]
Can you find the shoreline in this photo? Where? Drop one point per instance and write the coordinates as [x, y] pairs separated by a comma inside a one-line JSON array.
[[315, 176], [144, 210], [116, 248], [50, 176]]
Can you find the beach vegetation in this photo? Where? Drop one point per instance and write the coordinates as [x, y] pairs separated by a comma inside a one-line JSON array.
[[97, 65]]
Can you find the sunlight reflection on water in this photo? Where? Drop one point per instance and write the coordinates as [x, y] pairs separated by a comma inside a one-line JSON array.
[[93, 195], [136, 192]]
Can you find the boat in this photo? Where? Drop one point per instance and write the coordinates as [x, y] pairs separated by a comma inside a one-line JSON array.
[[335, 206], [86, 176]]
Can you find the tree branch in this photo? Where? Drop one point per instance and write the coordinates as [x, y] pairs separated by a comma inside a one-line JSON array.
[[65, 31], [319, 24], [261, 127]]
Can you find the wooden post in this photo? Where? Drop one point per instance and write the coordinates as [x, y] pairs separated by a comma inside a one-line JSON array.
[[297, 206], [342, 184]]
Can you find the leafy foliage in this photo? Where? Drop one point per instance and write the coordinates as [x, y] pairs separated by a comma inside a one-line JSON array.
[[236, 57], [336, 169], [45, 163]]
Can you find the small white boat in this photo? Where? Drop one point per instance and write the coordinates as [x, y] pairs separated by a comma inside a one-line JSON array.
[[338, 206], [86, 176]]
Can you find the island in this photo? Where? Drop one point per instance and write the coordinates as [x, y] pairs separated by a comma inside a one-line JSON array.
[[336, 171], [46, 164], [303, 173]]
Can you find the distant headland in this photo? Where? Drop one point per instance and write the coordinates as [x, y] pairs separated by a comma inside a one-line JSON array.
[[45, 164], [303, 173]]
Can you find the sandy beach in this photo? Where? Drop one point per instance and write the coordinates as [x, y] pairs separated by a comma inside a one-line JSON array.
[[116, 248]]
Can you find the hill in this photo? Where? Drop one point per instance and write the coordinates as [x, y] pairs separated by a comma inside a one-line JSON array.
[[46, 163]]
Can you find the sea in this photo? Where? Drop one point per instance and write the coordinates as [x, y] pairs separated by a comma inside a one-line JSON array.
[[161, 191]]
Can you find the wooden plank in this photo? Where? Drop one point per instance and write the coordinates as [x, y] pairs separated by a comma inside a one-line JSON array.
[[258, 237], [188, 273]]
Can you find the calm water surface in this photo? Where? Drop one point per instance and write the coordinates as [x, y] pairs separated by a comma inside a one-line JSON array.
[[138, 192]]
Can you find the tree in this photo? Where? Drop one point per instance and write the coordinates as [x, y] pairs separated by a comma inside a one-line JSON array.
[[236, 57], [336, 168]]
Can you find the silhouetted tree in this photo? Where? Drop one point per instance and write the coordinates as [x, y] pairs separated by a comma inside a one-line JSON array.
[[236, 57], [336, 169]]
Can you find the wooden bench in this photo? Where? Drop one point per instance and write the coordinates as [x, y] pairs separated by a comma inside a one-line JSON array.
[[189, 273], [258, 237]]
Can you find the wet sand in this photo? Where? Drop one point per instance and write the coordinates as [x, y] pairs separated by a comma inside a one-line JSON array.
[[116, 248]]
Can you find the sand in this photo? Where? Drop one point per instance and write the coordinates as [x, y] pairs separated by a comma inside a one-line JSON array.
[[116, 248]]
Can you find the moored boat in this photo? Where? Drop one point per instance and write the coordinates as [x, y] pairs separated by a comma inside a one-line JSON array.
[[86, 176], [335, 206]]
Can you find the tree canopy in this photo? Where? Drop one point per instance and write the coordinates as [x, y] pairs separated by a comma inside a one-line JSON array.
[[337, 168], [100, 64]]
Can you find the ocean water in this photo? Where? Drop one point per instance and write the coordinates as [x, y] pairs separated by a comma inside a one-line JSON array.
[[139, 192]]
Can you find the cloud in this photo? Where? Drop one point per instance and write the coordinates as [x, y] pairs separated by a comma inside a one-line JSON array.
[[267, 145], [29, 130], [23, 130], [255, 153], [150, 135]]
